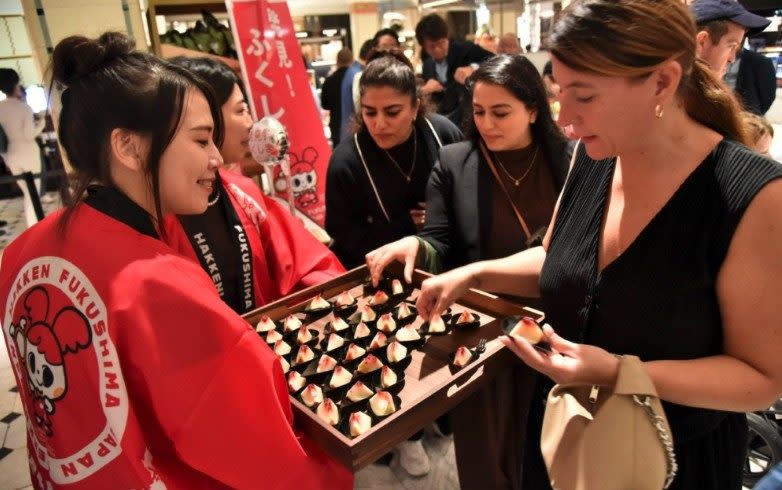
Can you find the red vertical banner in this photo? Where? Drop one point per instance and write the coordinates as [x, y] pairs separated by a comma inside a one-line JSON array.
[[278, 86]]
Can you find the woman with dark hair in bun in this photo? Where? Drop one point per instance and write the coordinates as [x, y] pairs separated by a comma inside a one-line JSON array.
[[283, 256], [124, 356], [377, 179]]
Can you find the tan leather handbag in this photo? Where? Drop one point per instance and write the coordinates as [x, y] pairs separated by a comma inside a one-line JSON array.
[[596, 439]]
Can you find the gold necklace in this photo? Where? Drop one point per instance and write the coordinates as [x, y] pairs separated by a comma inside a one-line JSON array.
[[517, 182], [407, 176]]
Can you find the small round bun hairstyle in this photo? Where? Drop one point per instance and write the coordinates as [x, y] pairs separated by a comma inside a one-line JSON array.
[[393, 53], [106, 85]]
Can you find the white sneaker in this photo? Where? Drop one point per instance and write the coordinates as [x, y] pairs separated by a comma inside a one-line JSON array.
[[434, 429], [413, 458]]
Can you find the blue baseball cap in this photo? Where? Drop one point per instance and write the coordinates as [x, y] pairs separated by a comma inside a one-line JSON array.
[[707, 10]]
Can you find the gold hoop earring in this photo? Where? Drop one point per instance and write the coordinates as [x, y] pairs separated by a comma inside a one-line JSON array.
[[658, 111]]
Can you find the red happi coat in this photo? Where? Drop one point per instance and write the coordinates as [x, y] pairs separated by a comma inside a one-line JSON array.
[[285, 256], [134, 374]]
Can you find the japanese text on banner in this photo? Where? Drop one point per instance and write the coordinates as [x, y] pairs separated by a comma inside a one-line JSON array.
[[279, 87]]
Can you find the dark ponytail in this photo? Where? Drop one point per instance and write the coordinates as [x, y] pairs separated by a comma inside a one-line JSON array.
[[107, 85], [709, 101]]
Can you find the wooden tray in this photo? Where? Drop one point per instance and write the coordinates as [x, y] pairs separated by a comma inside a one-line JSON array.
[[431, 387]]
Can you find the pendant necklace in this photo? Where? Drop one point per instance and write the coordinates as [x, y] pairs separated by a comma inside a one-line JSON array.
[[517, 182], [407, 176]]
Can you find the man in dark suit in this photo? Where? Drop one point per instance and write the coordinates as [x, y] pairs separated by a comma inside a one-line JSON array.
[[447, 66], [331, 93], [756, 81]]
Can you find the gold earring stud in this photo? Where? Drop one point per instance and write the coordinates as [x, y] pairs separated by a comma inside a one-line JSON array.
[[658, 111]]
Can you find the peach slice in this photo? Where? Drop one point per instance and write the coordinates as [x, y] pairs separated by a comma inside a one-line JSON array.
[[354, 352], [318, 303], [359, 423], [382, 404], [345, 299], [397, 287], [312, 395], [436, 324], [328, 412], [305, 354], [281, 348], [378, 298], [463, 356], [387, 377], [326, 363], [361, 331], [273, 336], [386, 323], [380, 340], [341, 377], [527, 329], [334, 342], [369, 364], [396, 352], [264, 324], [358, 392], [296, 381], [291, 323], [367, 314], [406, 334]]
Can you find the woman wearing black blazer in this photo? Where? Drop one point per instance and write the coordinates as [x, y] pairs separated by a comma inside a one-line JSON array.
[[462, 195], [491, 196]]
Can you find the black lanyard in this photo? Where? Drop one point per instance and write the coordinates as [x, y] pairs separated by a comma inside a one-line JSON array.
[[243, 297]]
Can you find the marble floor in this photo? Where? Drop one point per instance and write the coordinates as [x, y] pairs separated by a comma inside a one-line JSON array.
[[12, 211]]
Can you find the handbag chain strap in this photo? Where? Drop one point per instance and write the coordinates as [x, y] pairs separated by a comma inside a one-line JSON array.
[[665, 438]]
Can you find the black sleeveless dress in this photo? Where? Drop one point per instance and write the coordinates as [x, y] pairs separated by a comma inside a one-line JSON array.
[[658, 299]]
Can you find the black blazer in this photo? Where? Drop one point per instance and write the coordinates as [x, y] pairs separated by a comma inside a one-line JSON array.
[[331, 100], [756, 82], [459, 200], [450, 102], [354, 218]]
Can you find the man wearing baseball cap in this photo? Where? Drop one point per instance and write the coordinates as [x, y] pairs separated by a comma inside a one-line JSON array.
[[722, 25]]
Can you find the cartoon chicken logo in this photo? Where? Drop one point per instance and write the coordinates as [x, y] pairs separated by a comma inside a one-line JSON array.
[[42, 346]]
